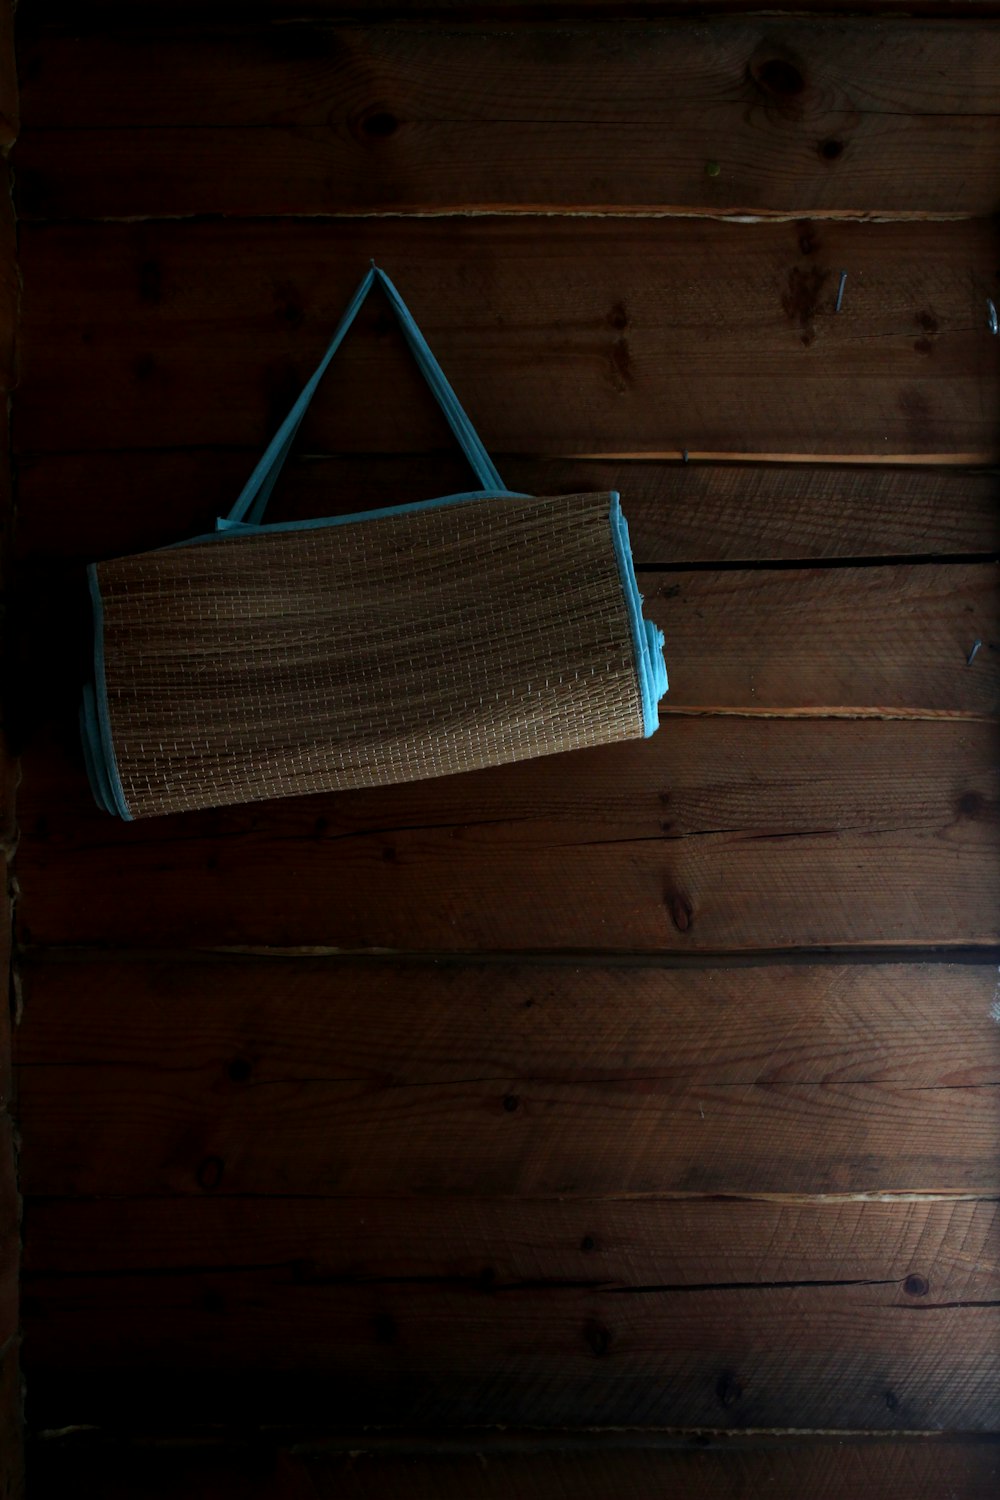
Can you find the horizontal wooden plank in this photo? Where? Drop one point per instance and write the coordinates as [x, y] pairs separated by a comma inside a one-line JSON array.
[[717, 833], [369, 1078], [882, 642], [677, 513], [392, 1023], [133, 1129], [846, 1356], [313, 72], [194, 1262], [751, 642], [941, 1251], [608, 1467], [638, 338], [852, 640], [725, 116]]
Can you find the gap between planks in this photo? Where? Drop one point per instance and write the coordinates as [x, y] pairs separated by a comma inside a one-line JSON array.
[[707, 711], [282, 12], [658, 1195], [983, 459], [530, 1439], [487, 211], [971, 954]]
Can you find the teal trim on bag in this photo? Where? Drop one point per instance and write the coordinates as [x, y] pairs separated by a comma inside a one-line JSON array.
[[225, 527], [647, 638], [99, 748], [253, 498], [90, 738]]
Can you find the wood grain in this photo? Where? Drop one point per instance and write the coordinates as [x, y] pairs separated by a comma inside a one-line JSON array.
[[147, 1132], [805, 116], [835, 1357], [83, 506], [305, 71], [391, 1023], [333, 1079], [259, 1043], [944, 1251], [629, 339], [598, 1191], [841, 640], [716, 834], [487, 1466]]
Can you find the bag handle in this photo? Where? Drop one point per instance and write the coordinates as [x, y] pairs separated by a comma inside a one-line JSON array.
[[256, 492]]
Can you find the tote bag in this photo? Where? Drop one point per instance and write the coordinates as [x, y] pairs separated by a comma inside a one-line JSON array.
[[417, 640]]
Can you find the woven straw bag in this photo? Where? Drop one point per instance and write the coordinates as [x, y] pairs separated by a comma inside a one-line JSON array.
[[271, 660]]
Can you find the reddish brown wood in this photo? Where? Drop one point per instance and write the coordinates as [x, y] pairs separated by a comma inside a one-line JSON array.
[[619, 1281], [338, 1079], [82, 506], [943, 1249], [892, 640], [718, 117], [638, 338], [457, 1275], [514, 1136], [315, 72], [854, 1356], [489, 1466], [736, 834], [390, 1023]]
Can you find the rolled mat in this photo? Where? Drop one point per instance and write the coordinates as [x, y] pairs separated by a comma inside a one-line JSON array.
[[269, 661]]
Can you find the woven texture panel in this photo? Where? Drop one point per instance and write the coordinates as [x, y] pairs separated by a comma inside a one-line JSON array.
[[415, 645]]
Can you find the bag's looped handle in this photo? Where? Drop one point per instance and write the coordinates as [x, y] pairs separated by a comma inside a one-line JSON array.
[[256, 492]]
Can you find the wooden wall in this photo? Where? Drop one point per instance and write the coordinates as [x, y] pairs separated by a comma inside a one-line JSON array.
[[648, 1088], [11, 1471]]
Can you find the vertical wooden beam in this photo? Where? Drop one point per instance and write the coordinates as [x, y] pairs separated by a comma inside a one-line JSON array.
[[11, 1436]]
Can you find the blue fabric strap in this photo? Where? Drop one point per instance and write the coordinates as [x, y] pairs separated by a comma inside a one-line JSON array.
[[257, 491]]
